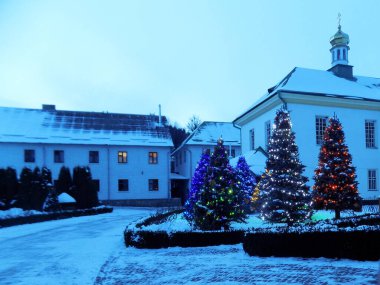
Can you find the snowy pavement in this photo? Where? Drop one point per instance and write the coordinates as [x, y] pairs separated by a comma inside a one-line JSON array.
[[90, 249], [69, 251]]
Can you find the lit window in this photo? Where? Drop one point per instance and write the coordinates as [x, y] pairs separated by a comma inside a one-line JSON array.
[[153, 184], [29, 155], [252, 139], [372, 179], [153, 158], [320, 127], [122, 157], [267, 133], [59, 156], [370, 131], [93, 156], [123, 185]]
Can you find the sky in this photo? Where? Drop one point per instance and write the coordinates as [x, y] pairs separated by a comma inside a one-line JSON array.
[[210, 58]]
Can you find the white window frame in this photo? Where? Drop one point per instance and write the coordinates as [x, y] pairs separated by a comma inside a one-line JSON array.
[[268, 131], [252, 139], [370, 134], [372, 180], [321, 123]]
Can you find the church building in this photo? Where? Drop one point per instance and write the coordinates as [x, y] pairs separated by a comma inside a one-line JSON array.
[[312, 96]]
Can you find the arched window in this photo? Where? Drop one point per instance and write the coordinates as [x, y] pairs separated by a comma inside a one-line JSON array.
[[338, 57], [332, 53], [344, 54]]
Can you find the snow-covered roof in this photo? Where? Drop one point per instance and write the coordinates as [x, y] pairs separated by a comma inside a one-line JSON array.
[[324, 83], [65, 198], [72, 127], [208, 133], [256, 160]]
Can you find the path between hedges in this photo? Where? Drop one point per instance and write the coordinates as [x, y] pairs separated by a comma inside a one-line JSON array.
[[69, 251]]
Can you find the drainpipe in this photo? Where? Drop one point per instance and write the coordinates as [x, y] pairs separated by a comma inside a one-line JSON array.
[[108, 176], [168, 162]]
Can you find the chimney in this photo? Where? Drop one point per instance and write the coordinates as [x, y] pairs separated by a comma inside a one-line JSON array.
[[159, 115], [47, 107]]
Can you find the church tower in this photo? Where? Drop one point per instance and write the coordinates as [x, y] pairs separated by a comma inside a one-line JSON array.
[[339, 53]]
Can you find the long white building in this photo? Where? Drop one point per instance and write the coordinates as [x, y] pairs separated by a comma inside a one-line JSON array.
[[312, 96], [128, 155]]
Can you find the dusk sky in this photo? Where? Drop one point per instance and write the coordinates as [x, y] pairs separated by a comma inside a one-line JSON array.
[[213, 59]]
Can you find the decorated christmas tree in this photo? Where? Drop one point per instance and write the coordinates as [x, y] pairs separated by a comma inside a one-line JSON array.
[[335, 179], [196, 185], [245, 179], [220, 199], [284, 193]]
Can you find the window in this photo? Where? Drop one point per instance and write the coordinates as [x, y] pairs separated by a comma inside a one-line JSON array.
[[153, 184], [233, 152], [267, 133], [344, 54], [93, 156], [320, 126], [59, 156], [96, 183], [252, 138], [123, 185], [370, 141], [153, 157], [29, 155], [338, 57], [122, 157], [372, 179]]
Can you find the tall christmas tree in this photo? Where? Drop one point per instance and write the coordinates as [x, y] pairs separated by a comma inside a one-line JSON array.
[[245, 179], [220, 199], [196, 185], [284, 194], [335, 179]]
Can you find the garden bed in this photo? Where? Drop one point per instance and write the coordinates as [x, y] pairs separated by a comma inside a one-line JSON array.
[[351, 237], [36, 217]]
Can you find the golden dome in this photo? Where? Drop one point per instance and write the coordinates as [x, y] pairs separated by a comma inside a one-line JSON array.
[[339, 38]]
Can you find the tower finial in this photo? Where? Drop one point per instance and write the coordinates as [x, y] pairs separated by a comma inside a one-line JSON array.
[[339, 19]]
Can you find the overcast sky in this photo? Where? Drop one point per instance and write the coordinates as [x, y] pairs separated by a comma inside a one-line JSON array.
[[213, 59]]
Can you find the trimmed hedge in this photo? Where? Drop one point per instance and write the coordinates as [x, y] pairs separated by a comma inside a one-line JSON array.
[[53, 216], [359, 245], [161, 239], [139, 238]]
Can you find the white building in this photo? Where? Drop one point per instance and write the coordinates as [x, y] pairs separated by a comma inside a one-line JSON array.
[[128, 155], [204, 138], [312, 96]]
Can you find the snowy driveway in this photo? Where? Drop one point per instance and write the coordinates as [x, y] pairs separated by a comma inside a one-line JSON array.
[[90, 249], [69, 251]]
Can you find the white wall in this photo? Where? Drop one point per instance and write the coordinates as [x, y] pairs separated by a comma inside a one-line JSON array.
[[137, 170]]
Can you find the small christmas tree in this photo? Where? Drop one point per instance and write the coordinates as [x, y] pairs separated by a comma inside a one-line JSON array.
[[335, 179], [246, 180], [50, 202], [284, 193], [196, 185], [220, 199]]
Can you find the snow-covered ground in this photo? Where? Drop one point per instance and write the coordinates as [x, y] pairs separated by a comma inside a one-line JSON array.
[[90, 249], [69, 251], [179, 223]]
